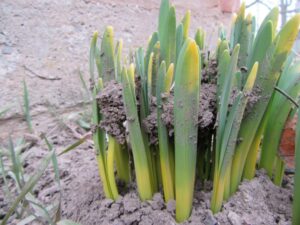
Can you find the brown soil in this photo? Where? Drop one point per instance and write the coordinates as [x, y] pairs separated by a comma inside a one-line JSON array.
[[114, 117], [209, 72], [257, 202], [207, 109], [111, 105], [47, 43]]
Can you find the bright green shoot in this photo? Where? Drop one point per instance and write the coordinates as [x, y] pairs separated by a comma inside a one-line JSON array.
[[268, 74], [26, 106], [165, 149], [142, 170], [186, 105]]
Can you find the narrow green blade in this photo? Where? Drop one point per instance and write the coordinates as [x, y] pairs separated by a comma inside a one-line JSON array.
[[186, 106]]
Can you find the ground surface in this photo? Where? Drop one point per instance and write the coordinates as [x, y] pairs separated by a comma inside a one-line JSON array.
[[46, 42]]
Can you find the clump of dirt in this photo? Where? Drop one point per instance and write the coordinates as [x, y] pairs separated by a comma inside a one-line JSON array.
[[210, 76], [210, 72], [206, 116], [112, 108], [150, 125], [253, 97], [114, 117], [111, 105], [207, 108], [257, 202], [110, 101]]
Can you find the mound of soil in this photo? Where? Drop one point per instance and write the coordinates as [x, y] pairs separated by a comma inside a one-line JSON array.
[[207, 108], [114, 117], [257, 202], [111, 105]]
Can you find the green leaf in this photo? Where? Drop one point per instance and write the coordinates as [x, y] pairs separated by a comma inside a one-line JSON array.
[[99, 142], [238, 26], [16, 165], [167, 31], [153, 40], [74, 145], [84, 85], [142, 170], [200, 38], [244, 40], [118, 60], [107, 55], [179, 39], [268, 74], [57, 178], [92, 56], [163, 17], [112, 145], [225, 96], [223, 45], [165, 151], [169, 79], [26, 106], [3, 111], [273, 17], [186, 24], [28, 186], [261, 44], [278, 112], [186, 105], [228, 140]]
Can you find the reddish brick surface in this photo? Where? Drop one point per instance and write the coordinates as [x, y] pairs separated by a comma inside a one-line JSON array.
[[287, 144]]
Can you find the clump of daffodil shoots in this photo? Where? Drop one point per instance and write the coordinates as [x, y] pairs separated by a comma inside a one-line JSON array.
[[258, 75], [255, 87]]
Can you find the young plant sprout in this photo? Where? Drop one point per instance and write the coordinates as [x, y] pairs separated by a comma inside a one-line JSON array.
[[156, 119]]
